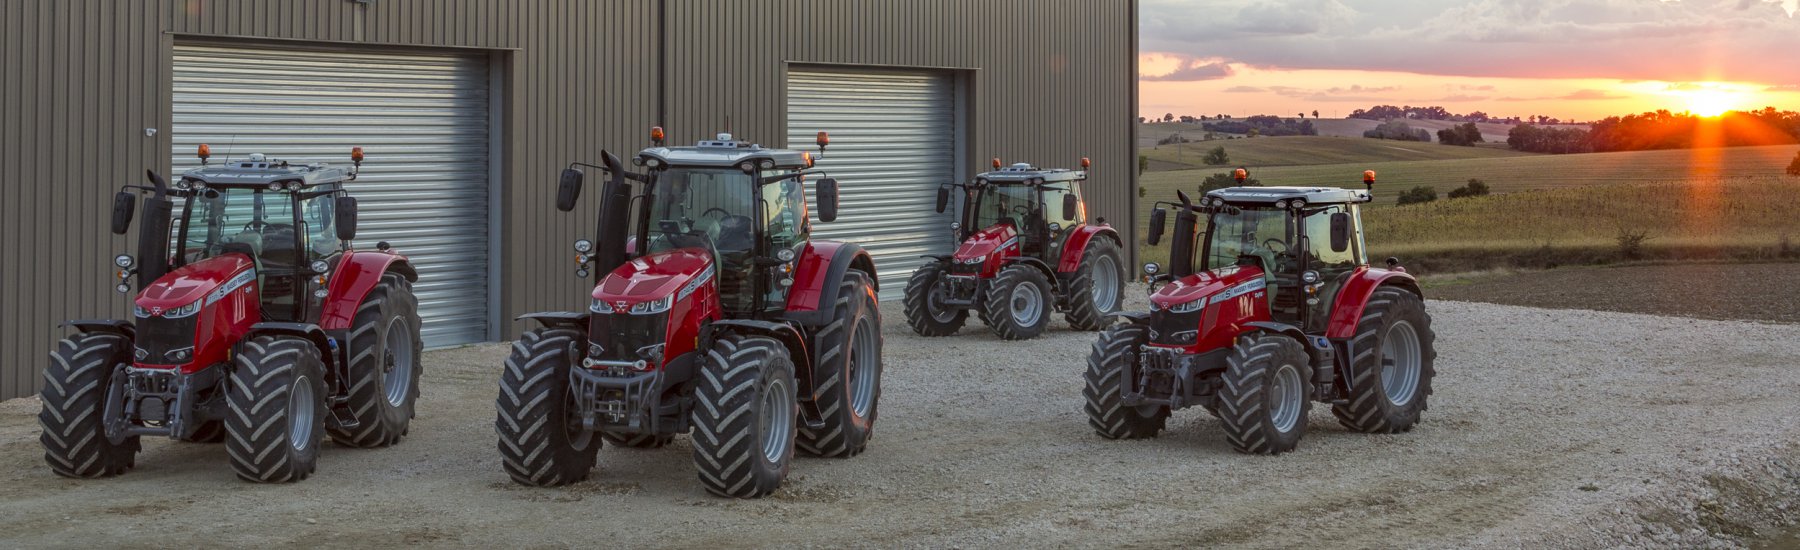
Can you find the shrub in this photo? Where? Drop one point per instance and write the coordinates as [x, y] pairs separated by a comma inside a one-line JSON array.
[[1223, 180], [1143, 164], [1475, 188], [1399, 131], [1172, 139], [1794, 167], [1631, 243], [1463, 134], [1418, 195], [1217, 157]]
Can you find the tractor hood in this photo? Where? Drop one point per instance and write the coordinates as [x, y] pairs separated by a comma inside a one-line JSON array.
[[988, 241], [1208, 284], [654, 276], [208, 278]]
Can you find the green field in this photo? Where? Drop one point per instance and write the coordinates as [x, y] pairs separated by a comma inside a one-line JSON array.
[[1311, 150]]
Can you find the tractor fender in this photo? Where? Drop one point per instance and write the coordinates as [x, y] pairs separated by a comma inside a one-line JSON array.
[[114, 326], [1287, 330], [1040, 265], [1075, 245], [1347, 309], [328, 348], [355, 275], [791, 338], [557, 319], [819, 272]]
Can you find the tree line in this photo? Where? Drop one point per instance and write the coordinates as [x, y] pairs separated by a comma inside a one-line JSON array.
[[1662, 130]]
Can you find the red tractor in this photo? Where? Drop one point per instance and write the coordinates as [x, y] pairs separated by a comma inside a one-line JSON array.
[[1257, 320], [262, 328], [715, 313], [1018, 263]]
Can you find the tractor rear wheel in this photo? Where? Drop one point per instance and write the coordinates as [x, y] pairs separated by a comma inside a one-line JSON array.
[[1098, 287], [745, 416], [925, 310], [74, 413], [542, 443], [1116, 354], [1390, 374], [850, 367], [1267, 394], [277, 410], [384, 365], [637, 441], [1018, 303]]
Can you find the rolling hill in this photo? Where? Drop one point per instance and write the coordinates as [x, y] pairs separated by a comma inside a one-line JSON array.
[[1310, 150]]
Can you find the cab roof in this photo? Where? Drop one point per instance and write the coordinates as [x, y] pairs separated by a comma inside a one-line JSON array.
[[724, 152], [259, 170], [1026, 173], [1312, 195]]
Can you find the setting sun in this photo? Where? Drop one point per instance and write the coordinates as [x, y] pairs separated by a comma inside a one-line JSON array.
[[1710, 103]]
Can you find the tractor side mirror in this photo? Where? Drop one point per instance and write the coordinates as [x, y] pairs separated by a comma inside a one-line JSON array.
[[943, 199], [1071, 206], [124, 205], [345, 210], [828, 199], [1158, 219], [568, 188], [1340, 232]]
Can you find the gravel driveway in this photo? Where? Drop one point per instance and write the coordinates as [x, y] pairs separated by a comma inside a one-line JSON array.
[[1558, 428]]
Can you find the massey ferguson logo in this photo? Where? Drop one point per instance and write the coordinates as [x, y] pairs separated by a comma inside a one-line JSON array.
[[155, 311], [620, 306]]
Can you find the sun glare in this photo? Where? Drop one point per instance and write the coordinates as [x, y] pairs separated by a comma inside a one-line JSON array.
[[1710, 103]]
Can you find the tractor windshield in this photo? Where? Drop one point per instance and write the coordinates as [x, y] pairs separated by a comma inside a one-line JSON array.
[[276, 228], [1263, 233], [703, 208], [998, 203]]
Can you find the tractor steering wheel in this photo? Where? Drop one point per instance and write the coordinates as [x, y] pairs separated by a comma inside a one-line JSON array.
[[722, 212], [1022, 210], [256, 225], [1276, 246]]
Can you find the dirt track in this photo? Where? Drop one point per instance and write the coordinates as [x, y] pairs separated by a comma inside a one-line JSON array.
[[1571, 428]]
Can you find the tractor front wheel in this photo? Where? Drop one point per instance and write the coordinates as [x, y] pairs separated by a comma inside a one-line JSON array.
[[1391, 370], [926, 312], [1267, 394], [542, 443], [74, 414], [277, 410], [1018, 302], [384, 366], [1115, 356], [1098, 287], [849, 360], [745, 416]]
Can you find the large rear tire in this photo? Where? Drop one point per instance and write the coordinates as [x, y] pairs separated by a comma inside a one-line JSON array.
[[384, 365], [1267, 394], [1390, 375], [542, 444], [925, 311], [74, 404], [745, 416], [277, 410], [1098, 287], [1115, 354], [1018, 302], [850, 365]]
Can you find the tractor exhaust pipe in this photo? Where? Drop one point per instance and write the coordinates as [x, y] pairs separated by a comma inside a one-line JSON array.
[[1181, 242], [153, 235], [615, 217]]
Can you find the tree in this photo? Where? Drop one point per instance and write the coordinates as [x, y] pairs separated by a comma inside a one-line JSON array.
[[1141, 120], [1475, 188], [1168, 117], [1223, 180], [1217, 157], [1418, 195], [1315, 114], [1253, 133], [1302, 114], [1465, 134], [1399, 131], [1794, 167], [1143, 164]]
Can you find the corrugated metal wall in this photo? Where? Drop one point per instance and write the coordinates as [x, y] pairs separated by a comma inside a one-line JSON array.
[[82, 80]]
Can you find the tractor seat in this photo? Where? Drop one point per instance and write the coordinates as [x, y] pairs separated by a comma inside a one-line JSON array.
[[278, 244], [735, 235]]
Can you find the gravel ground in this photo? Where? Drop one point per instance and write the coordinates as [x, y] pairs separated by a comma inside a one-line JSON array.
[[1763, 292], [1548, 429]]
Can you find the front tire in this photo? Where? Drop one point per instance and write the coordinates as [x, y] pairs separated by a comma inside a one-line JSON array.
[[542, 444], [384, 366], [1018, 303], [925, 311], [745, 417], [74, 407], [1267, 394], [850, 356], [1116, 354], [1390, 376], [277, 410], [1098, 287]]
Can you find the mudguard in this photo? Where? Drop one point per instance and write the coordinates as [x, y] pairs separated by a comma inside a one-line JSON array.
[[790, 337], [1347, 309], [1075, 245], [356, 274], [1033, 262], [818, 274], [114, 326], [327, 347], [557, 319]]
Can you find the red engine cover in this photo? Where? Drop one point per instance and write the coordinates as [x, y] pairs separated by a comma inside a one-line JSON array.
[[226, 289], [1230, 298], [687, 274], [997, 243]]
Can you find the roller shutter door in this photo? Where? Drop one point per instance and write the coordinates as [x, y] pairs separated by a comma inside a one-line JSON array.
[[893, 141], [422, 120]]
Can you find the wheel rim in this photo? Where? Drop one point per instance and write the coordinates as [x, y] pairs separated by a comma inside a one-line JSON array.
[[397, 366], [1285, 398], [1106, 283], [579, 438], [776, 419], [1027, 303], [934, 303], [1400, 363], [302, 406], [863, 375]]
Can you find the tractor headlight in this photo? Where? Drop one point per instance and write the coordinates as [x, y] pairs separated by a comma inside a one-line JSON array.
[[139, 311], [1188, 306], [976, 260], [183, 311], [1281, 205], [652, 307], [124, 261], [1150, 268], [600, 306], [275, 186], [767, 164], [182, 355], [1310, 277], [785, 254], [1183, 337], [1297, 204], [653, 163], [321, 266], [584, 246], [123, 288]]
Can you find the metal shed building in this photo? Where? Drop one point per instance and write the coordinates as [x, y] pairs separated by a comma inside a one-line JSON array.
[[469, 108]]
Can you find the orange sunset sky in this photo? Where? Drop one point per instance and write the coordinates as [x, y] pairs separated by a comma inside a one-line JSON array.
[[1569, 59]]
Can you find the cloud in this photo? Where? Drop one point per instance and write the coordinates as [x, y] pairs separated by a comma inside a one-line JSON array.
[[1245, 90], [1591, 94], [1193, 70], [1784, 87], [1456, 98]]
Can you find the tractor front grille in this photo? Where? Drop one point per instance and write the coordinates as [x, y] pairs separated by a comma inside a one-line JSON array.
[[159, 337], [1175, 329], [626, 337]]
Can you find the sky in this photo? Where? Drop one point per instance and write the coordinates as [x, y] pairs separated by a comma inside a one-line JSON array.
[[1568, 59]]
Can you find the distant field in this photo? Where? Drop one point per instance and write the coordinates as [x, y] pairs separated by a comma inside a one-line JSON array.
[[1310, 150], [1149, 133]]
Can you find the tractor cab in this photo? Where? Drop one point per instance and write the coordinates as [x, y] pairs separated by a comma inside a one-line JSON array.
[[1036, 206]]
